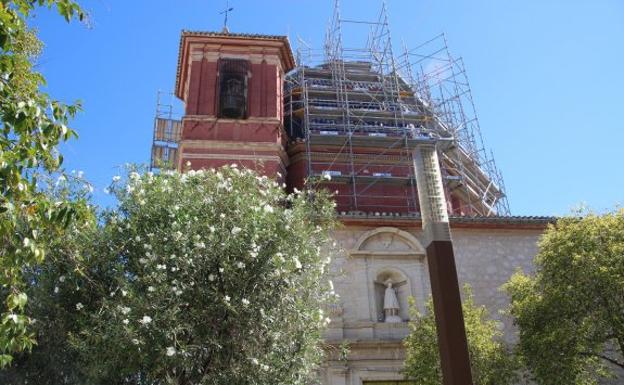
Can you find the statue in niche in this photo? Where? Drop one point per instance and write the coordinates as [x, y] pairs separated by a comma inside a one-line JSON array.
[[391, 305]]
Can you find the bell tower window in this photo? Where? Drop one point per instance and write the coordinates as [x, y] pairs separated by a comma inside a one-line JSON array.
[[233, 74]]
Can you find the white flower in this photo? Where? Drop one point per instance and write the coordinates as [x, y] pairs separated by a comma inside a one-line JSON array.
[[56, 289], [161, 267], [211, 277], [174, 269], [116, 178], [297, 263], [227, 298], [265, 367], [134, 175], [268, 208], [212, 229], [125, 310], [188, 163], [222, 216], [79, 306], [13, 317], [150, 289], [145, 320], [254, 361], [236, 230], [137, 238], [240, 265], [171, 351], [221, 270], [135, 341], [125, 321], [62, 278], [142, 261], [245, 301], [200, 245], [123, 293]]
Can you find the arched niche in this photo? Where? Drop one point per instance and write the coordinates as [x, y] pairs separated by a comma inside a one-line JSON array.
[[400, 284], [389, 253]]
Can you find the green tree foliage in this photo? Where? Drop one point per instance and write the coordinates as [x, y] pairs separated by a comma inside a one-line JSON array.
[[31, 127], [571, 312], [207, 277], [54, 290], [491, 361]]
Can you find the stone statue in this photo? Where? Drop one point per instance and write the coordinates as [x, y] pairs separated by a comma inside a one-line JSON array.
[[391, 304]]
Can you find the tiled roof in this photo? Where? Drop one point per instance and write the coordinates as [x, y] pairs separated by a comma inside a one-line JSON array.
[[186, 33], [532, 219], [494, 221], [229, 34]]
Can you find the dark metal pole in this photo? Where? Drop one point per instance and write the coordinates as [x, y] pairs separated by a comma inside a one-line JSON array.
[[454, 358]]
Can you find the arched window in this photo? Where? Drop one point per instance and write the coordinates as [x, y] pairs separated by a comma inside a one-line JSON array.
[[233, 75]]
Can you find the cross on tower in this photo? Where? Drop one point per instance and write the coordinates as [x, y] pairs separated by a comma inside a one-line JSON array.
[[225, 12]]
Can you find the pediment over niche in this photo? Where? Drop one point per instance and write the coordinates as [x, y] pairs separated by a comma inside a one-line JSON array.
[[388, 241]]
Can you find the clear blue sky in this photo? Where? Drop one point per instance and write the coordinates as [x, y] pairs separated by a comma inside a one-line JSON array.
[[546, 77]]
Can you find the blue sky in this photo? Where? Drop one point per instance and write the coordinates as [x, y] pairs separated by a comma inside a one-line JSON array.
[[546, 77]]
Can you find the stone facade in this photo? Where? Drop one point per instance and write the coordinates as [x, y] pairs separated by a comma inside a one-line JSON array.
[[366, 255]]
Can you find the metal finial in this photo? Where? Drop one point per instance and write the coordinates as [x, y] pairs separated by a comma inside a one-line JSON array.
[[225, 12]]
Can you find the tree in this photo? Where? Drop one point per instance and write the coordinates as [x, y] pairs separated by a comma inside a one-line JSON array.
[[55, 286], [570, 313], [207, 277], [492, 363], [31, 127]]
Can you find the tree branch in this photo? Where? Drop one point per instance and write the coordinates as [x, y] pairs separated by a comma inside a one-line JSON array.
[[602, 356]]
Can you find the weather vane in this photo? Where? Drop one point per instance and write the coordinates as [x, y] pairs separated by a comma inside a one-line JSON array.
[[227, 10]]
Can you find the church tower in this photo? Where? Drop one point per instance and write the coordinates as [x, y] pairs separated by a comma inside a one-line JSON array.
[[231, 86]]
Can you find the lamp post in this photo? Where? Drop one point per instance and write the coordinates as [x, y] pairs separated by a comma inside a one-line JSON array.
[[454, 358]]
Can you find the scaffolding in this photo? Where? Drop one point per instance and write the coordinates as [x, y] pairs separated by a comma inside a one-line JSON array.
[[354, 116], [167, 133]]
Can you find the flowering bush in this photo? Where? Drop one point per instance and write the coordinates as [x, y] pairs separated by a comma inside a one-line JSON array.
[[206, 277]]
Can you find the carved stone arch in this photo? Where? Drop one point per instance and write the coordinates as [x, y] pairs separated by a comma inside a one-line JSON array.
[[388, 241]]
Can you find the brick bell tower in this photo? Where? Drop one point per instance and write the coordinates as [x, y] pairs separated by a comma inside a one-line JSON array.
[[231, 85]]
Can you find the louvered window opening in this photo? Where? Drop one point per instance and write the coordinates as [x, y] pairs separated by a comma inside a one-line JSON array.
[[233, 74]]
